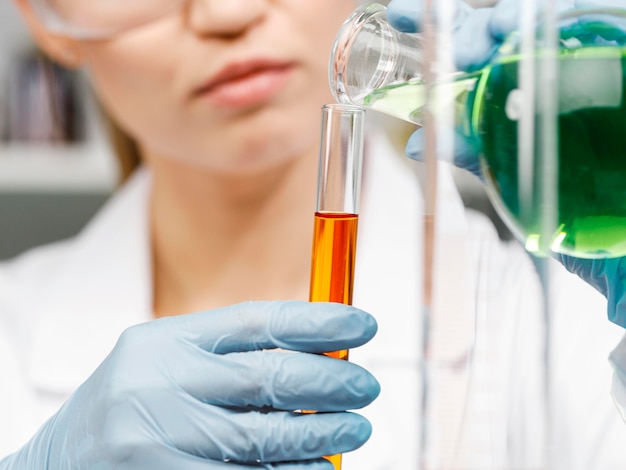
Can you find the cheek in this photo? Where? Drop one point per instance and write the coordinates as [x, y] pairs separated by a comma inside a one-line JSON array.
[[127, 80], [329, 16], [322, 32]]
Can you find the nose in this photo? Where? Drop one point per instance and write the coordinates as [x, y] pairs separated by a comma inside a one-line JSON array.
[[224, 18]]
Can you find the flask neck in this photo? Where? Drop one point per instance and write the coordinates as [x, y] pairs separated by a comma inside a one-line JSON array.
[[407, 101]]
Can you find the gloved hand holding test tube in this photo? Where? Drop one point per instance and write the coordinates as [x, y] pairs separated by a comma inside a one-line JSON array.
[[141, 410]]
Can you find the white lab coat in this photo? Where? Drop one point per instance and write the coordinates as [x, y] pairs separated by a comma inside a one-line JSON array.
[[63, 306]]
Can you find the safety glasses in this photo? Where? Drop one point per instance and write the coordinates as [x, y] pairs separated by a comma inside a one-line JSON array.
[[99, 19]]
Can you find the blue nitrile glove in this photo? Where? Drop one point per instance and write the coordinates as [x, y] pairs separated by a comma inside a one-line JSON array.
[[198, 392], [478, 34], [479, 31]]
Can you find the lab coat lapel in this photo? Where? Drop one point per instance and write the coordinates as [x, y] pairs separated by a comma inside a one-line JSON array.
[[103, 286]]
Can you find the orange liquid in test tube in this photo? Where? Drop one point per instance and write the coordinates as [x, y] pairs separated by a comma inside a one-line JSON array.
[[332, 266], [332, 269]]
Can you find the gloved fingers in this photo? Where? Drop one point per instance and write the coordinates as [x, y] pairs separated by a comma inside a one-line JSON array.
[[252, 436], [293, 325], [479, 32], [416, 147], [474, 43], [459, 149], [407, 15], [164, 418], [166, 458], [318, 464], [277, 380], [608, 276], [404, 15], [507, 14]]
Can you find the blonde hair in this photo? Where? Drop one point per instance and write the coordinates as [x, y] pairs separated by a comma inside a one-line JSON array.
[[125, 148]]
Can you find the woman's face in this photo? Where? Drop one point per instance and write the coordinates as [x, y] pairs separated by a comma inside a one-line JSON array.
[[233, 86]]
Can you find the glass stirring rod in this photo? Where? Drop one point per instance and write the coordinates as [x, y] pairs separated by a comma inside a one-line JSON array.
[[336, 213]]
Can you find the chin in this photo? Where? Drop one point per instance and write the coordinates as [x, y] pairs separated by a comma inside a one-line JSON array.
[[263, 139], [277, 143], [247, 158], [274, 154]]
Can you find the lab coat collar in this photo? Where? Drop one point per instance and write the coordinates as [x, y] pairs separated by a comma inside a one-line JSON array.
[[102, 286]]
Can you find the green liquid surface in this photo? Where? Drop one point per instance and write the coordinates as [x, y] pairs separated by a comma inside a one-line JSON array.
[[589, 201]]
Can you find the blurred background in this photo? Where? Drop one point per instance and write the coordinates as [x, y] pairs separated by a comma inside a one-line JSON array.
[[56, 167]]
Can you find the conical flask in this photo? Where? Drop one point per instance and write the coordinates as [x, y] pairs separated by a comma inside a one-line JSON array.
[[375, 66]]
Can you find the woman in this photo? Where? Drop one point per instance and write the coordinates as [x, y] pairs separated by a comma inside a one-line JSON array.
[[221, 101]]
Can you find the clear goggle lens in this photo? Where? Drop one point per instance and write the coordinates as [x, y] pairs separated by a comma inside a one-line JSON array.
[[98, 19]]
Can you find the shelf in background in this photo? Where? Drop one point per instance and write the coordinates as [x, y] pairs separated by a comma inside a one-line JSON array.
[[85, 167]]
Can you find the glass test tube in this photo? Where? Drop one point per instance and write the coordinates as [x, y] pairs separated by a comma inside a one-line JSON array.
[[336, 213]]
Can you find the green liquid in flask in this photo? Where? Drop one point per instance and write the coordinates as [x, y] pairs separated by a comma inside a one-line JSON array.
[[590, 202]]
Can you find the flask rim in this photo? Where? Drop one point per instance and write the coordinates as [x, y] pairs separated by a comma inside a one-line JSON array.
[[339, 57]]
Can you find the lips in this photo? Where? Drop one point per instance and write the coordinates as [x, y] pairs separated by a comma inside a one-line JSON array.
[[245, 84]]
